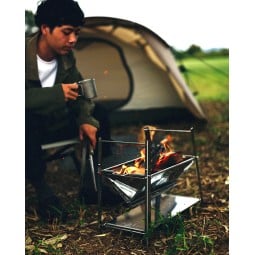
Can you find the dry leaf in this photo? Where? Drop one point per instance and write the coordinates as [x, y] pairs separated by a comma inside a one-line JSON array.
[[101, 235], [55, 240]]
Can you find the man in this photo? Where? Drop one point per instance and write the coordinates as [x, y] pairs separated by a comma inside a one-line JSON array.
[[53, 108]]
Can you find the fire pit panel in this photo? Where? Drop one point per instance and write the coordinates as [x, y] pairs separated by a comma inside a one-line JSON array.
[[132, 187]]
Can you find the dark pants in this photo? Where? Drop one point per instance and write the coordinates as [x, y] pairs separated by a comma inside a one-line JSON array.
[[40, 130]]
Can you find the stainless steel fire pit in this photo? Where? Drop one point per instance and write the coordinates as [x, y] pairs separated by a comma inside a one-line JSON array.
[[145, 195]]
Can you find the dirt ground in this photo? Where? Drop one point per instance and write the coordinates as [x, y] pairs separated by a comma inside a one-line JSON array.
[[201, 229]]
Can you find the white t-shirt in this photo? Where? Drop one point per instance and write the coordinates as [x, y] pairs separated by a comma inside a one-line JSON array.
[[47, 71]]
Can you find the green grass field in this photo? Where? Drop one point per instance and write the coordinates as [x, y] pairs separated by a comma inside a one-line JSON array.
[[208, 78]]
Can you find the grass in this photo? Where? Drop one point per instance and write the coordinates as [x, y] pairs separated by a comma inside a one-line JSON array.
[[179, 240], [208, 78]]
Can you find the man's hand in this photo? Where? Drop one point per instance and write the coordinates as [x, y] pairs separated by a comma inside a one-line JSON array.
[[70, 91], [88, 131]]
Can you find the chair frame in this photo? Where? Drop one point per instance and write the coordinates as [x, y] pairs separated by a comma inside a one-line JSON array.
[[66, 148]]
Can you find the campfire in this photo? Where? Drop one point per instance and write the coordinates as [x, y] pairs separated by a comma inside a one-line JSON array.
[[163, 156]]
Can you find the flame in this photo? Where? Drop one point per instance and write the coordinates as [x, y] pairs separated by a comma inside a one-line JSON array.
[[165, 158], [141, 136], [140, 161], [167, 143]]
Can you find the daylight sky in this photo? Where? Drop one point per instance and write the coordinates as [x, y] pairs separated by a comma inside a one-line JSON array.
[[180, 23]]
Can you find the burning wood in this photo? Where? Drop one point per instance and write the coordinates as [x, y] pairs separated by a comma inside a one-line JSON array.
[[163, 156], [130, 170], [167, 159]]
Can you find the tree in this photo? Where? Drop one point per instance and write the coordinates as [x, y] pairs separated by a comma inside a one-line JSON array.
[[194, 50], [30, 22]]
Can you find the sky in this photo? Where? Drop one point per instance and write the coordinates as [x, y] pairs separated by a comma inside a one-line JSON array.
[[180, 23]]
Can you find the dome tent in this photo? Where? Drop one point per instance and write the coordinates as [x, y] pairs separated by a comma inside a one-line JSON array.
[[136, 75]]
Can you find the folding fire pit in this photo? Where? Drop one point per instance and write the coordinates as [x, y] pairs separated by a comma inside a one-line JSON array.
[[143, 182]]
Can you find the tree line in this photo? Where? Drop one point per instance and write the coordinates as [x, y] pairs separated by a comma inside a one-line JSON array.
[[193, 50], [197, 51]]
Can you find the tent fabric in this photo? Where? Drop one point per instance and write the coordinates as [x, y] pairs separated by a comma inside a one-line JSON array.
[[135, 71]]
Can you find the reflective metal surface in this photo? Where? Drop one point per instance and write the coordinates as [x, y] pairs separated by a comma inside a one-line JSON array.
[[132, 187], [87, 88], [170, 205]]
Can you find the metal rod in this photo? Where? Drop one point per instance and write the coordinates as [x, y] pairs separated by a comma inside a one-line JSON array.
[[99, 191], [148, 182], [116, 141], [121, 227], [197, 165], [83, 165], [171, 130], [91, 161]]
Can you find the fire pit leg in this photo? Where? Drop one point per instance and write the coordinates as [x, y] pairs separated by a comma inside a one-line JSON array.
[[99, 190], [196, 161], [148, 183]]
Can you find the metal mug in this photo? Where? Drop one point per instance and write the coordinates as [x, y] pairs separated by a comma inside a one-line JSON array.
[[87, 88]]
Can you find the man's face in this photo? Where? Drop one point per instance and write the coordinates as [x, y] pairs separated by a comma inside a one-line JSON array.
[[62, 38]]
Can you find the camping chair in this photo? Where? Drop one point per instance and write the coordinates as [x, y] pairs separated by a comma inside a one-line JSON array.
[[67, 148]]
